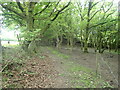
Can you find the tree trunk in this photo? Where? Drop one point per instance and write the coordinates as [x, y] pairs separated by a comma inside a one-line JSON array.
[[82, 43], [71, 43], [116, 46], [32, 48], [100, 44], [19, 39], [87, 28], [86, 40], [68, 41], [57, 42], [30, 26]]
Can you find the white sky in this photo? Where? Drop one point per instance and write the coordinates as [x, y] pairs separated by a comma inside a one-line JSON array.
[[7, 34]]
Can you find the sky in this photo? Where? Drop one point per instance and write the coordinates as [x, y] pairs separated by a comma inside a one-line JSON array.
[[7, 34]]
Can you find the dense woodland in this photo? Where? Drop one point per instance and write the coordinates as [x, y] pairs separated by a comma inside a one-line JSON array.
[[43, 29], [86, 24]]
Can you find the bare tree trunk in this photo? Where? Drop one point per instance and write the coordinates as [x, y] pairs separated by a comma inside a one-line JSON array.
[[32, 48], [87, 28], [30, 27], [0, 60], [19, 39], [85, 41], [82, 43], [57, 42], [71, 43]]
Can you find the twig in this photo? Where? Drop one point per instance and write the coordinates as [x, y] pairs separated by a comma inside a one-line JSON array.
[[5, 66]]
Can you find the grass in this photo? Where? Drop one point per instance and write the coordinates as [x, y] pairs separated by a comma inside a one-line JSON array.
[[86, 77], [56, 52], [83, 77], [61, 74], [41, 57], [113, 51]]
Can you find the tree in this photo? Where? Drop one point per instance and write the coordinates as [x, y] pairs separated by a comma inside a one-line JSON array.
[[91, 17], [30, 13]]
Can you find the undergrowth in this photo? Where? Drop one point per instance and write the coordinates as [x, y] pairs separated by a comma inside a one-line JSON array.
[[13, 59]]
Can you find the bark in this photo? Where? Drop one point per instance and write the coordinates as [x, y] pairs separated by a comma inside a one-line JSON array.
[[30, 27], [32, 47], [82, 43], [87, 28], [0, 47], [59, 41], [85, 42], [19, 39], [71, 43]]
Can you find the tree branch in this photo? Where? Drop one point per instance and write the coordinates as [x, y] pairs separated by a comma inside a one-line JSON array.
[[109, 7], [12, 10], [94, 15], [19, 5], [109, 15], [101, 23], [80, 12], [94, 5], [60, 11], [11, 16], [55, 8], [96, 11], [65, 11], [42, 9]]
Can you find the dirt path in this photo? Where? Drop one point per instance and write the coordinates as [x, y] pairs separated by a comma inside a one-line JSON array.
[[60, 81], [63, 68], [48, 71], [108, 64]]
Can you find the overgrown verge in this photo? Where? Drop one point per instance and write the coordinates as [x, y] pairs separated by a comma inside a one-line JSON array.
[[13, 59], [21, 70]]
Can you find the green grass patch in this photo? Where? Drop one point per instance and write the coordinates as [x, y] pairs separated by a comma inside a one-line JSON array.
[[28, 72], [56, 52], [11, 45], [41, 57], [113, 51], [79, 68], [83, 77], [61, 74]]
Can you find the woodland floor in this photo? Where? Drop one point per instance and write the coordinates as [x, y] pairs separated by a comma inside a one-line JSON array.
[[53, 68]]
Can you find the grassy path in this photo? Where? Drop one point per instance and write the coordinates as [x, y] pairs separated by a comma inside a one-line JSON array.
[[71, 73], [50, 68]]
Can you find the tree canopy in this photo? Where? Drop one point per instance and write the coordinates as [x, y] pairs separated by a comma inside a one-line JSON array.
[[91, 23]]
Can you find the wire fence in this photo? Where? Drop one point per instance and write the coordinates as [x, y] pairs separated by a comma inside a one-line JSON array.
[[99, 63]]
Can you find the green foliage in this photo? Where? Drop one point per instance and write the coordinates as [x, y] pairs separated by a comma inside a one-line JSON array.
[[96, 22], [58, 53]]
